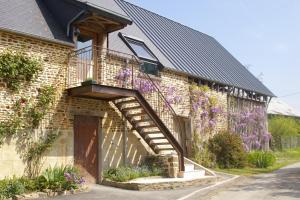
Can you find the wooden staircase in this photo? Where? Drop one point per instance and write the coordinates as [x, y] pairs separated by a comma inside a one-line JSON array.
[[149, 125], [142, 122]]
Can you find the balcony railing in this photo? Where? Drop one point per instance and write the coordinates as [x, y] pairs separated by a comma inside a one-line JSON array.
[[117, 69]]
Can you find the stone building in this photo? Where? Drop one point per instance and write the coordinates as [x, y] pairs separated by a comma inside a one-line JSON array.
[[124, 79]]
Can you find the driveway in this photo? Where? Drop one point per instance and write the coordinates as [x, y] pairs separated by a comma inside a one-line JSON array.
[[283, 184]]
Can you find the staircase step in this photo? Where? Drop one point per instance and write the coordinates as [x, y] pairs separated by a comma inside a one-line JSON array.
[[194, 174], [146, 126], [126, 102], [131, 108], [142, 120], [159, 143], [155, 138], [165, 148], [189, 167], [150, 132], [136, 114]]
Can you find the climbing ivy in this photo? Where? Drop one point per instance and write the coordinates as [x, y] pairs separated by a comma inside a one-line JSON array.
[[37, 149], [28, 113], [17, 68]]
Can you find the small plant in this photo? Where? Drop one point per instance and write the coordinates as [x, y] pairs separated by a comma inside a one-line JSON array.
[[123, 174], [228, 149], [59, 179], [17, 67], [261, 159], [10, 188]]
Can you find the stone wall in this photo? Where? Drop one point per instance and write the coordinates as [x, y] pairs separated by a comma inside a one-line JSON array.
[[55, 63]]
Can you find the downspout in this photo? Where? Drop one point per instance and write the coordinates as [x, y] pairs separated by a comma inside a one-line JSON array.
[[72, 20]]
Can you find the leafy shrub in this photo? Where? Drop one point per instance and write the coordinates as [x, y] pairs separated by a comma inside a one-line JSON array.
[[29, 184], [155, 164], [18, 67], [261, 159], [10, 188], [201, 153], [228, 149], [123, 174], [59, 179]]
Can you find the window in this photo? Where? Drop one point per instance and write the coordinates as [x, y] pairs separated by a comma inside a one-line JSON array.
[[150, 63], [149, 68], [141, 50]]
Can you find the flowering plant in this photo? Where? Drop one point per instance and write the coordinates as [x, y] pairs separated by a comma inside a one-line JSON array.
[[123, 76], [205, 108], [250, 124]]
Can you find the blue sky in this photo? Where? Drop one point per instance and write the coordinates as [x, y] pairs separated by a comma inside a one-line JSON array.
[[262, 34]]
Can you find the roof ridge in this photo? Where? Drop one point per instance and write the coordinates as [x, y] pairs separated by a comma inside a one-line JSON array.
[[181, 24]]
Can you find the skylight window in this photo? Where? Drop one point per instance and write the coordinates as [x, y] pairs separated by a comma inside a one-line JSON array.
[[150, 63], [140, 49]]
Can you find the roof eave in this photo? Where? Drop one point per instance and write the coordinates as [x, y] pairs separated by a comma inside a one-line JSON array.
[[123, 19], [70, 44]]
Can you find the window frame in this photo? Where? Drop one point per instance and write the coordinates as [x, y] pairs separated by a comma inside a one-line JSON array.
[[154, 61]]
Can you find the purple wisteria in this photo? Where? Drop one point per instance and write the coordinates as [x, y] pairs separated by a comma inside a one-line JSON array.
[[251, 125], [123, 77], [205, 109]]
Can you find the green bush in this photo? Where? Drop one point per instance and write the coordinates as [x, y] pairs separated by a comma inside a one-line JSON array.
[[123, 174], [228, 149], [10, 188], [155, 165], [17, 67], [55, 179], [261, 159], [201, 153]]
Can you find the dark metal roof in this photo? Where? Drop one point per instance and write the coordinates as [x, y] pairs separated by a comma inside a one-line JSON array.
[[30, 17], [193, 52], [50, 19]]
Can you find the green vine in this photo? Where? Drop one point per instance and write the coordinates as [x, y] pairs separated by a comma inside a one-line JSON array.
[[37, 149], [17, 68], [28, 115]]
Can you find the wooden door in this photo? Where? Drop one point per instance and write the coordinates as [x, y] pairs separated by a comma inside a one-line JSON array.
[[86, 152]]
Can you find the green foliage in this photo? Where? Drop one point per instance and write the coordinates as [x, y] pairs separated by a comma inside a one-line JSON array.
[[59, 179], [201, 153], [28, 115], [261, 159], [10, 188], [17, 67], [55, 179], [155, 165], [228, 149], [45, 99], [282, 127], [38, 148], [123, 174]]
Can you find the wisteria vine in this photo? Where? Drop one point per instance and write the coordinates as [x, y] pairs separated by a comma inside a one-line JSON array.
[[205, 109], [250, 124]]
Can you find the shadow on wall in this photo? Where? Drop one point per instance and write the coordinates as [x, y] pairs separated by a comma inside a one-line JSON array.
[[113, 144]]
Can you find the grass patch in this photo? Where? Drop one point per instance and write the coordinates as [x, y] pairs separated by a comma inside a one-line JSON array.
[[284, 158]]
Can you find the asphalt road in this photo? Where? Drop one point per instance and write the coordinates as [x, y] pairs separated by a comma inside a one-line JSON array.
[[283, 184]]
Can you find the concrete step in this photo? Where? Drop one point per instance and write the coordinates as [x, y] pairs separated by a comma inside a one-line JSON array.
[[189, 167], [194, 174]]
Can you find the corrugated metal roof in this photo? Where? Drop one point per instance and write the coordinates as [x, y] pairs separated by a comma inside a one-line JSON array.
[[30, 17], [191, 51]]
